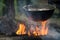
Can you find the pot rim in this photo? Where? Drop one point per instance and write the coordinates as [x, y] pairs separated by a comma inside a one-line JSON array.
[[38, 8]]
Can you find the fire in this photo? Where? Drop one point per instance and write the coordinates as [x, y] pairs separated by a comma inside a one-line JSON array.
[[44, 29], [36, 32], [21, 29]]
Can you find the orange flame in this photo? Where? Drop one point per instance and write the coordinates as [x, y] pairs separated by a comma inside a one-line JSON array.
[[21, 29], [37, 32], [44, 29]]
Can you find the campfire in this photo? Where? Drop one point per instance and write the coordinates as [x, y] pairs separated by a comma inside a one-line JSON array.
[[24, 31], [37, 31], [37, 14]]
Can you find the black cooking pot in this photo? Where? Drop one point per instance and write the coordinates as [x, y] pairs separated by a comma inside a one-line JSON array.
[[39, 13]]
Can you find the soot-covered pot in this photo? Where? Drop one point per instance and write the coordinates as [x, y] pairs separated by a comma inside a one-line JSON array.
[[40, 12]]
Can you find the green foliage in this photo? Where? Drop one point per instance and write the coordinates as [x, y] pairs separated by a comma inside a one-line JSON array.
[[1, 6]]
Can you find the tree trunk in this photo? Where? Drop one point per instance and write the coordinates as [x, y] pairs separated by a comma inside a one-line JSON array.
[[9, 8]]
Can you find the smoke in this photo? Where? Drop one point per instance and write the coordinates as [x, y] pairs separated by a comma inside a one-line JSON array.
[[23, 14], [53, 32]]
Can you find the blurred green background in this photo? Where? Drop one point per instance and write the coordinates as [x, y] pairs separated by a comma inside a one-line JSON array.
[[1, 6]]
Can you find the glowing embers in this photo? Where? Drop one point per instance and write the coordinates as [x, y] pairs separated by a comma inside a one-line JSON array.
[[33, 30]]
